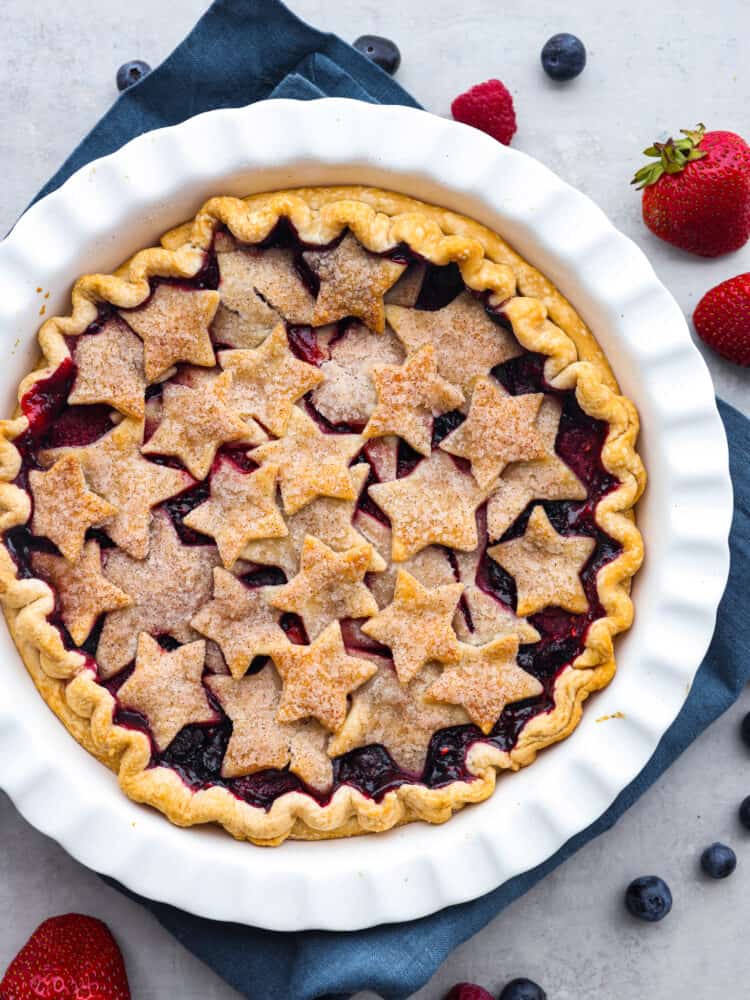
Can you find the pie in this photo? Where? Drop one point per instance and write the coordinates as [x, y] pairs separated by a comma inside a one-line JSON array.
[[318, 516]]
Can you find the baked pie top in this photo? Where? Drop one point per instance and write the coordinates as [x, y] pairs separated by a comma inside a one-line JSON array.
[[320, 514]]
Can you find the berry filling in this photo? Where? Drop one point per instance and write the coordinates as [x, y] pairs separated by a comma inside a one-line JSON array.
[[207, 278], [46, 399], [304, 342], [440, 286], [181, 505]]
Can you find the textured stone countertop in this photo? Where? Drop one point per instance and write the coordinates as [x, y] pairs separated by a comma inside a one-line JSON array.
[[653, 67]]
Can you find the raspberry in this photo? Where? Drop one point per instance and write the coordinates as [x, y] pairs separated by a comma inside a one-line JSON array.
[[489, 107], [468, 991]]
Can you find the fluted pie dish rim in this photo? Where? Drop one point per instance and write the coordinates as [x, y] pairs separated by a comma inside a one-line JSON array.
[[370, 223]]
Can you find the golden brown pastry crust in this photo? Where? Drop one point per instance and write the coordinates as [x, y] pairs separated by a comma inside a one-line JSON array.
[[543, 321]]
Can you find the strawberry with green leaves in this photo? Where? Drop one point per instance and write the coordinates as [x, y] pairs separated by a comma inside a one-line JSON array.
[[696, 195]]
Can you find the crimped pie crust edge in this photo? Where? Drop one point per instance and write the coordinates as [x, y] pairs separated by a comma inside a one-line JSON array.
[[543, 321]]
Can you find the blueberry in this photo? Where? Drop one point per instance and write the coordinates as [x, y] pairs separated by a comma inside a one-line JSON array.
[[648, 898], [523, 989], [744, 812], [382, 51], [563, 57], [718, 861], [131, 72], [745, 730]]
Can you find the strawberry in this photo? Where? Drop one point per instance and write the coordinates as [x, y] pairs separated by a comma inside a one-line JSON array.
[[71, 957], [489, 107], [697, 195], [468, 991], [722, 319]]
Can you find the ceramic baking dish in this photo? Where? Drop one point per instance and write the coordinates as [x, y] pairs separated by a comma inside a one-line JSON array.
[[118, 204]]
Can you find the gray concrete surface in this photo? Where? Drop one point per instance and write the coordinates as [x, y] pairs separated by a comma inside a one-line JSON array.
[[652, 68]]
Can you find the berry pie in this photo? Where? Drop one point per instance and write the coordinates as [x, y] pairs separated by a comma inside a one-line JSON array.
[[318, 515]]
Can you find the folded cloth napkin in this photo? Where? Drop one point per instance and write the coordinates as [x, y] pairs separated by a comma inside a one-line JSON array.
[[243, 51]]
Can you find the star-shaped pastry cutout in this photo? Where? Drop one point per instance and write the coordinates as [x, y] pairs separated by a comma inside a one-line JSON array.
[[115, 469], [397, 716], [83, 592], [409, 396], [242, 506], [329, 586], [269, 380], [109, 369], [546, 566], [266, 277], [196, 422], [436, 503], [347, 394], [167, 588], [240, 621], [64, 507], [327, 519], [258, 741], [467, 342], [352, 283], [167, 688], [317, 679], [486, 679], [498, 430], [174, 326], [311, 464], [545, 478], [416, 625]]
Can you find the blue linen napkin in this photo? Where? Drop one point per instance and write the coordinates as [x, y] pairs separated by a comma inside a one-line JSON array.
[[246, 50]]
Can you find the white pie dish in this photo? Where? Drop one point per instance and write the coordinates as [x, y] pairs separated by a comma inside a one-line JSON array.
[[118, 204]]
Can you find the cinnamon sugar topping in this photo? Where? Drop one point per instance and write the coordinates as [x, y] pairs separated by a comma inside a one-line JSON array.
[[409, 396], [110, 369], [416, 625], [259, 741], [398, 716], [311, 464], [328, 587], [240, 620], [167, 688], [242, 507], [196, 422], [485, 680], [467, 342], [327, 519], [434, 504], [268, 380], [84, 593], [545, 478], [562, 557], [317, 679], [115, 469], [167, 589], [498, 430], [64, 507], [258, 287], [173, 325], [352, 283]]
